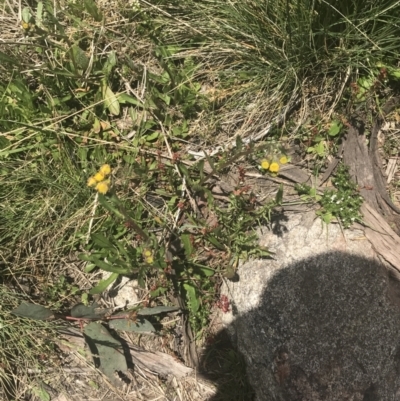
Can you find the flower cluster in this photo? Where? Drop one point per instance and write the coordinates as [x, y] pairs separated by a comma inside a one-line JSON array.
[[100, 181], [148, 256], [273, 164]]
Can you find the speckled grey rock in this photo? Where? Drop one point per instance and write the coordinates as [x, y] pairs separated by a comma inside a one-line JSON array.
[[320, 322]]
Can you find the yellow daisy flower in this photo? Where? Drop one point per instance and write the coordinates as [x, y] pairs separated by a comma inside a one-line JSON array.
[[99, 177], [265, 164], [102, 187], [105, 169], [283, 160], [91, 182], [274, 167]]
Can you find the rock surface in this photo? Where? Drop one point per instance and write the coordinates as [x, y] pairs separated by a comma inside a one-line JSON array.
[[319, 321]]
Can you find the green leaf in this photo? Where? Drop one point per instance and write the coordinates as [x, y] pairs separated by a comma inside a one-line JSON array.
[[335, 128], [320, 149], [394, 72], [152, 136], [108, 350], [33, 311], [138, 326], [206, 271], [103, 284], [87, 312], [106, 266], [39, 14], [110, 63], [111, 101], [104, 202], [102, 241], [187, 244], [124, 98], [156, 310], [92, 9], [26, 14], [193, 300], [80, 58], [215, 242]]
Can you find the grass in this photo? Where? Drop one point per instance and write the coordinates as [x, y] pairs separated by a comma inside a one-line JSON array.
[[140, 87]]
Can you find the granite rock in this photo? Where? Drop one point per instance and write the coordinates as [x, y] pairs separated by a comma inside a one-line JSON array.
[[321, 320]]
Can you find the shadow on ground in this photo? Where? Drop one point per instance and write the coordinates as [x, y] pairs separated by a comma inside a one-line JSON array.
[[326, 328]]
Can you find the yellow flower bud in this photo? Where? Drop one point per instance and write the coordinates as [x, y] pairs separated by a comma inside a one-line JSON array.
[[105, 169], [149, 260], [102, 187], [283, 160], [147, 253]]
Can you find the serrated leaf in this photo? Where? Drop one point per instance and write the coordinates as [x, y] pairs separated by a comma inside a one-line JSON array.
[[193, 300], [108, 350], [138, 326], [87, 312], [103, 284], [33, 311], [39, 13], [111, 101], [156, 310]]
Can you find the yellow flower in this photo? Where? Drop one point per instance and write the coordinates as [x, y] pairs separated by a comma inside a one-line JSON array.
[[146, 253], [274, 167], [283, 160], [102, 187], [149, 260], [91, 182], [99, 177], [25, 26], [265, 164], [105, 169]]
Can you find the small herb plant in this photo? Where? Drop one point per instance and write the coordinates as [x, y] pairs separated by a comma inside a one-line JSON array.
[[342, 203], [205, 241]]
